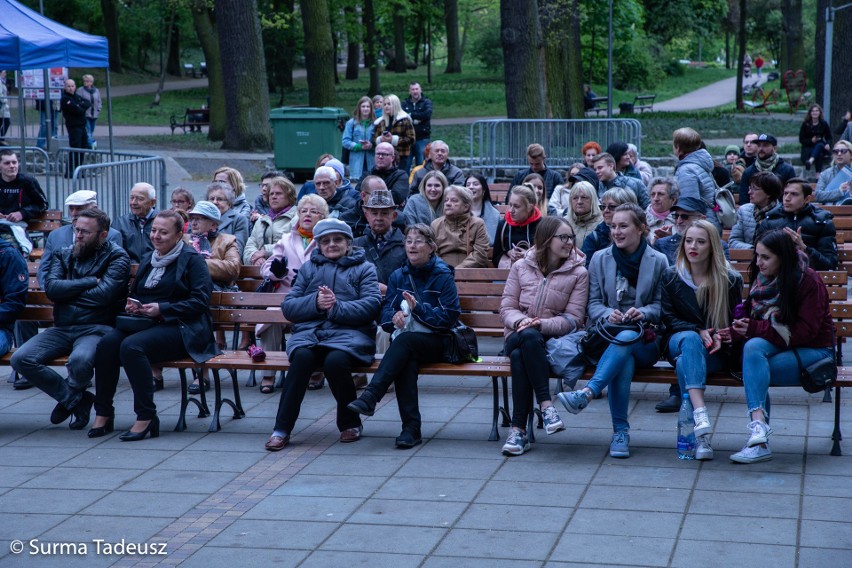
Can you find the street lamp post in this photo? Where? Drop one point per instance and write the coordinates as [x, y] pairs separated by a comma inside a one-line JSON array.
[[609, 68], [829, 45]]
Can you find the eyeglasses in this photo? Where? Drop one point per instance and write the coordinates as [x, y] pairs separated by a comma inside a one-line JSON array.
[[325, 241], [610, 207], [311, 212], [383, 154], [841, 151], [84, 232], [415, 242], [682, 216], [565, 238], [754, 188]]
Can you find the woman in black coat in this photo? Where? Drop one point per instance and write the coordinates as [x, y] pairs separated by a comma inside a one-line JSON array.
[[173, 288], [815, 138]]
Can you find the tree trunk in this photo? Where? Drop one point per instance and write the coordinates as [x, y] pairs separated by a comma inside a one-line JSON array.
[[841, 79], [204, 21], [399, 42], [353, 42], [560, 30], [169, 38], [793, 50], [319, 53], [110, 15], [280, 48], [741, 55], [173, 65], [371, 54], [244, 72], [451, 18], [520, 36]]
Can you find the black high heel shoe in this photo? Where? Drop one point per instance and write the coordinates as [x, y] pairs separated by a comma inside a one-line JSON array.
[[101, 431], [153, 428]]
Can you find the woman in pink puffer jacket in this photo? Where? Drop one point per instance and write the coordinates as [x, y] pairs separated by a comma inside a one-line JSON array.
[[545, 296]]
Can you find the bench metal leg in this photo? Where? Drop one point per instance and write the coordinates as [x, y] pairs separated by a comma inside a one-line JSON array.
[[507, 419], [836, 436], [494, 436], [235, 405], [185, 399]]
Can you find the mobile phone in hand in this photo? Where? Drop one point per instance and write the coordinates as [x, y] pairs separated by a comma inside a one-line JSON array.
[[135, 302]]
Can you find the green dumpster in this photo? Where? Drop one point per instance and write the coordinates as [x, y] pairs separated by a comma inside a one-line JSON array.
[[302, 134]]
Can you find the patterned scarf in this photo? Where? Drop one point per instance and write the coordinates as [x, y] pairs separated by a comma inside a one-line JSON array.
[[307, 236], [201, 242], [760, 213], [763, 299], [767, 165], [273, 215]]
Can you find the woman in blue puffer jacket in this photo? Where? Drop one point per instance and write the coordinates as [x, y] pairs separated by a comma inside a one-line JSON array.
[[694, 170], [420, 322], [333, 305]]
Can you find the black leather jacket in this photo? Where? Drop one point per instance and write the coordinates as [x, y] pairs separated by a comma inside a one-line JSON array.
[[91, 291]]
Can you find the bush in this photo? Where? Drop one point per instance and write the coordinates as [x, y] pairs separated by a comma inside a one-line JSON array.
[[674, 68], [485, 45], [637, 65]]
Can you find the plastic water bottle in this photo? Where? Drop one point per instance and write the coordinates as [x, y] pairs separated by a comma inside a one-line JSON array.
[[685, 431]]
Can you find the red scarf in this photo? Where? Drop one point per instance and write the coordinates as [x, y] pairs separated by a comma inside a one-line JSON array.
[[305, 234], [535, 216]]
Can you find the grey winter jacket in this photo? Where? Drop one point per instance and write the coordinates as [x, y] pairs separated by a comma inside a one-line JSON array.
[[742, 233], [627, 182], [820, 193], [694, 175], [418, 210], [350, 324]]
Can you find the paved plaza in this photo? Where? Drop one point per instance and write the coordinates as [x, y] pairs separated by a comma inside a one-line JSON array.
[[218, 499]]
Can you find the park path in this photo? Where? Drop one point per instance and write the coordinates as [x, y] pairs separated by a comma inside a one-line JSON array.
[[710, 96]]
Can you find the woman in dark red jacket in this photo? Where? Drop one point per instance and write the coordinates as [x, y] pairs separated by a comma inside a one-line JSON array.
[[787, 309]]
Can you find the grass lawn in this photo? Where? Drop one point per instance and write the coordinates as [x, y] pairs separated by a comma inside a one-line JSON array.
[[475, 93]]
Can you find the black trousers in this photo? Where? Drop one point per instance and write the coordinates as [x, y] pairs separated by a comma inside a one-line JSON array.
[[530, 372], [77, 138], [400, 366], [135, 353], [337, 366]]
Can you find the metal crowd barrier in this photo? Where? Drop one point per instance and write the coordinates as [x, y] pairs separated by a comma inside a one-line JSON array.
[[111, 179], [96, 171], [502, 143]]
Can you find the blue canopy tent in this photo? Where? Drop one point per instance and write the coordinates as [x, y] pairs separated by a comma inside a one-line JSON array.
[[28, 40]]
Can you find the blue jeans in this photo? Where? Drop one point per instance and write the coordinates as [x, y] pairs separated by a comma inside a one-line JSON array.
[[41, 141], [5, 341], [90, 130], [765, 365], [692, 361], [615, 369], [79, 342], [417, 152]]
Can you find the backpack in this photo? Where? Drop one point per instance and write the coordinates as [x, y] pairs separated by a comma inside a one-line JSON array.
[[725, 208]]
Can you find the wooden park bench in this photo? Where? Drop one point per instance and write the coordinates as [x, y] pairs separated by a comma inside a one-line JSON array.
[[599, 105], [193, 119], [641, 103]]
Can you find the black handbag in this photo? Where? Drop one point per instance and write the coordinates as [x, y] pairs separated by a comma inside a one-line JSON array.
[[818, 376], [603, 334], [134, 323], [344, 156], [462, 346], [268, 286]]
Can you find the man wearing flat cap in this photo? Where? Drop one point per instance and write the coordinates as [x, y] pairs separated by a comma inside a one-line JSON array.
[[767, 160]]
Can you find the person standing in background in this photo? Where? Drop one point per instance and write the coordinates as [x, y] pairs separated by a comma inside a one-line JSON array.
[[419, 108], [91, 93], [74, 109], [5, 116]]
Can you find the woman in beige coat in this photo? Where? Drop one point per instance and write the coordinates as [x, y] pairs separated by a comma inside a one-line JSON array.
[[545, 296], [462, 239]]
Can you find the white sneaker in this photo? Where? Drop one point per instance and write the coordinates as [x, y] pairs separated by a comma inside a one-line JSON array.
[[759, 431], [702, 422], [703, 450], [516, 444], [552, 422], [754, 454]]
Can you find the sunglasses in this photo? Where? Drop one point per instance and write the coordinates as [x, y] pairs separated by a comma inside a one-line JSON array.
[[841, 151], [683, 216], [608, 207]]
